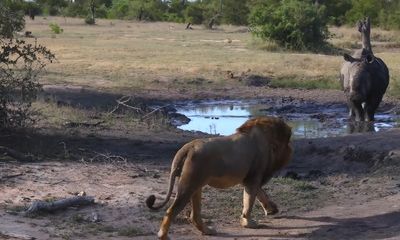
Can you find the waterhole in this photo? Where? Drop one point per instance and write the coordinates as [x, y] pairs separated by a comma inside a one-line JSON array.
[[308, 120]]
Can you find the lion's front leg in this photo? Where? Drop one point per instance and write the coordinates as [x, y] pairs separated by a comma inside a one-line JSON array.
[[249, 196], [270, 208]]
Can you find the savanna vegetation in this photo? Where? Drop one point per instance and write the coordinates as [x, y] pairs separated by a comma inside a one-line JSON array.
[[284, 22], [121, 55], [112, 71]]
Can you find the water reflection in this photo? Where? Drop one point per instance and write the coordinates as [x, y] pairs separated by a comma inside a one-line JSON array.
[[224, 117], [360, 127]]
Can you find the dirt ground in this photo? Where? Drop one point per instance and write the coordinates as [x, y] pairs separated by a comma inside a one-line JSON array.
[[334, 188]]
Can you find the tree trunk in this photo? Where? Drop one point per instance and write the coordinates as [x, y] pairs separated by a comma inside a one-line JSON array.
[[92, 11]]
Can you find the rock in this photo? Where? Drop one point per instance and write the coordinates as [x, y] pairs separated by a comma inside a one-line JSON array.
[[364, 180], [156, 175], [94, 217], [82, 193], [178, 119]]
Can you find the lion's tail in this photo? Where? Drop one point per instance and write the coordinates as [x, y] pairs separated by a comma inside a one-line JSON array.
[[176, 169]]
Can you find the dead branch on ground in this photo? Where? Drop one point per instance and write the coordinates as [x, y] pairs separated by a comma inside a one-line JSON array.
[[108, 158], [10, 176], [153, 111], [43, 206], [123, 101]]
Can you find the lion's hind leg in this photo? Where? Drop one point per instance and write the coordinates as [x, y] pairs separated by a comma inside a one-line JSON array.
[[188, 185], [182, 198], [270, 208], [195, 215]]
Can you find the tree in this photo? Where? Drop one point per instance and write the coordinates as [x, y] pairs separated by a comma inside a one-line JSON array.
[[363, 8], [52, 7], [10, 20], [235, 12], [152, 10], [336, 10], [20, 63], [293, 24], [194, 13]]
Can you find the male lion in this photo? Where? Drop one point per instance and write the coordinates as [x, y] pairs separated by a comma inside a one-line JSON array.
[[259, 148]]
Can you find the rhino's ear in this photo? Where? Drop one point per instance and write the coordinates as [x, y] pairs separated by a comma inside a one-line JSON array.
[[348, 58], [369, 58]]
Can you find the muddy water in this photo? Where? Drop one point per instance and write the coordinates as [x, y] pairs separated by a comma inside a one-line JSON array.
[[308, 120]]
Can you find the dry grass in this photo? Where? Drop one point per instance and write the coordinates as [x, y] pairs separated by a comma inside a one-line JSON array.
[[130, 55]]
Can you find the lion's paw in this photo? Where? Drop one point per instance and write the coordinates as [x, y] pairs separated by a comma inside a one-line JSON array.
[[162, 235], [248, 223], [272, 210], [209, 230]]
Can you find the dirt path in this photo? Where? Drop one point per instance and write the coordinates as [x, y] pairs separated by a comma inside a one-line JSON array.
[[377, 219], [335, 188]]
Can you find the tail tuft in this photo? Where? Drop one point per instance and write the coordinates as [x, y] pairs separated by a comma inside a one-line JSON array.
[[150, 201]]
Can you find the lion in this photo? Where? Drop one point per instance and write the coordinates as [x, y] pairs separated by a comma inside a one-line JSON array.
[[259, 148]]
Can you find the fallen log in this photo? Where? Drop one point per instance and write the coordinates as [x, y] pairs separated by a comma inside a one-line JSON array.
[[7, 235], [43, 206]]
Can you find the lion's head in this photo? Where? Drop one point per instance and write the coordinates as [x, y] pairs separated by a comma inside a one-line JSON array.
[[277, 133]]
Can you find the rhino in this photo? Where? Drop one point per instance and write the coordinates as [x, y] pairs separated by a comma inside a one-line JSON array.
[[364, 78]]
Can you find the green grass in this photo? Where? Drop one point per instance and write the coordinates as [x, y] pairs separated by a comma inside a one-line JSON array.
[[317, 83], [128, 55], [296, 195]]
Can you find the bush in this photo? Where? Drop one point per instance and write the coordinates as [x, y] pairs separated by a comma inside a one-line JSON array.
[[151, 10], [101, 11], [55, 28], [75, 10], [293, 24], [20, 63], [194, 14], [10, 21], [89, 20]]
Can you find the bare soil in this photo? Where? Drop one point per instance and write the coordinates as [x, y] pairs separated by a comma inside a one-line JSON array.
[[335, 188]]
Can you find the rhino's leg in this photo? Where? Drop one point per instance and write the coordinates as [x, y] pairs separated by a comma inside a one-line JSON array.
[[270, 208], [370, 107], [358, 110], [195, 215], [351, 113]]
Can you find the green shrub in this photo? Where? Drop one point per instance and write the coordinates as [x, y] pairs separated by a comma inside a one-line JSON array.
[[151, 10], [194, 14], [101, 11], [11, 20], [293, 24], [75, 10], [55, 28], [20, 63], [89, 20]]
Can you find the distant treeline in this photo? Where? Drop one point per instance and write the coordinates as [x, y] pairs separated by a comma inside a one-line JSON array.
[[383, 13]]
